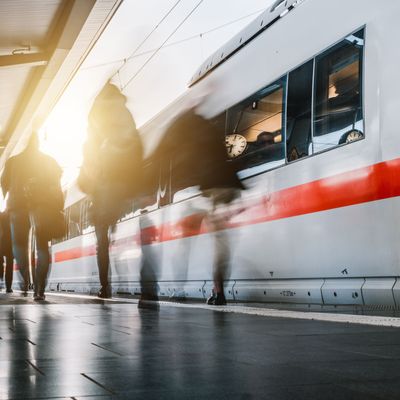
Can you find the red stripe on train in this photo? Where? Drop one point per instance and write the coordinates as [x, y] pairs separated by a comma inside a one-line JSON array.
[[77, 252], [376, 182], [362, 185]]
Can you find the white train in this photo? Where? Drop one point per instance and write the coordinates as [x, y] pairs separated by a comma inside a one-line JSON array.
[[309, 97]]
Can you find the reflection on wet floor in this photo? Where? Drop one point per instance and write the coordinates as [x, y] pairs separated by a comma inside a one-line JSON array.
[[17, 298], [90, 349]]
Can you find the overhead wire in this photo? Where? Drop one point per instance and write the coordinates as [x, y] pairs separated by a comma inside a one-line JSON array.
[[197, 35], [162, 44], [147, 37], [155, 28]]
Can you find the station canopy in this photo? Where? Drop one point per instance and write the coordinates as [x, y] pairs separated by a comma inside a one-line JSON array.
[[42, 44]]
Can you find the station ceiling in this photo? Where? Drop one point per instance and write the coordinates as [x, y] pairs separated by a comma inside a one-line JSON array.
[[42, 45]]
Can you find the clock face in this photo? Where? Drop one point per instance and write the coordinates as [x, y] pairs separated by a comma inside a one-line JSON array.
[[353, 136], [235, 145]]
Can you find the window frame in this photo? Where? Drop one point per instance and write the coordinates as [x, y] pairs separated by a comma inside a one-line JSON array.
[[361, 62], [286, 75], [283, 80]]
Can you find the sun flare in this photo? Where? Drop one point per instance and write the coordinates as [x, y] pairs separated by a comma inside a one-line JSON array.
[[62, 137]]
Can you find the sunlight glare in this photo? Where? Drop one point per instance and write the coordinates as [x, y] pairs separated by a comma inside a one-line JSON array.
[[62, 137]]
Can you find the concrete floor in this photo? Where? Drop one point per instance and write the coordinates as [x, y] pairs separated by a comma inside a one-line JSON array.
[[76, 348]]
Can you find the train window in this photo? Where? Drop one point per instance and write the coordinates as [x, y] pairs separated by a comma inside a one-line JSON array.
[[181, 188], [254, 135], [59, 240], [187, 193], [86, 223], [128, 210], [164, 189], [298, 115], [338, 115], [148, 201], [74, 228]]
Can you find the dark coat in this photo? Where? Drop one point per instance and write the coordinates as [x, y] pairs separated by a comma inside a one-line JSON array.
[[111, 172], [197, 153], [32, 179]]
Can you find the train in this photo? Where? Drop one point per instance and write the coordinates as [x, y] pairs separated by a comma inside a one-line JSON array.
[[308, 97]]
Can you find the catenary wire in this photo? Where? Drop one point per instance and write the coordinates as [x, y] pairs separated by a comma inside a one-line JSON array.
[[162, 44], [197, 35], [148, 36]]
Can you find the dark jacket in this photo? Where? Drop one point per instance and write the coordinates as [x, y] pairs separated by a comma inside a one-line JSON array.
[[32, 180], [197, 152], [111, 172]]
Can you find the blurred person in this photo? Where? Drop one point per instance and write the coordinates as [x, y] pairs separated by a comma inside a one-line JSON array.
[[150, 197], [35, 198], [217, 220], [111, 171], [149, 262], [196, 149], [190, 226], [6, 255]]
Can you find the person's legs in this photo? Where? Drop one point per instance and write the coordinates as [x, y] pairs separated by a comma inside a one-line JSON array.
[[20, 225], [9, 272], [221, 265], [217, 221], [40, 220], [1, 267], [103, 257], [42, 267]]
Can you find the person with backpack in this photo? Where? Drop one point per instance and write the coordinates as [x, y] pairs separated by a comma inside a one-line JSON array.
[[32, 181], [111, 171]]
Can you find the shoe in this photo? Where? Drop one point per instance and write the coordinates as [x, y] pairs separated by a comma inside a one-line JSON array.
[[218, 300], [24, 289], [39, 297], [104, 293], [9, 290], [211, 300]]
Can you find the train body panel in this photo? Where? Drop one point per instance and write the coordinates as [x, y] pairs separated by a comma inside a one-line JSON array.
[[321, 229]]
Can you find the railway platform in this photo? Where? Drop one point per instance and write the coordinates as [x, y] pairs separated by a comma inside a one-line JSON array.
[[80, 347]]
